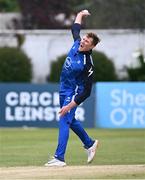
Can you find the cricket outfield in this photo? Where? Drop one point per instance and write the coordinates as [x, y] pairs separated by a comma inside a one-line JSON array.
[[23, 152]]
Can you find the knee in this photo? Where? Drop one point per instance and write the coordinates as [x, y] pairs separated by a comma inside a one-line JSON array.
[[63, 122]]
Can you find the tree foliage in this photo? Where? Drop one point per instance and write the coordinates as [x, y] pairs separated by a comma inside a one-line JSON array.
[[42, 14], [45, 14], [117, 14], [138, 73], [104, 68], [15, 66], [9, 6], [56, 67], [104, 14]]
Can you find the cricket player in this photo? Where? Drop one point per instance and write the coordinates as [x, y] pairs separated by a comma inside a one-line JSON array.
[[75, 87]]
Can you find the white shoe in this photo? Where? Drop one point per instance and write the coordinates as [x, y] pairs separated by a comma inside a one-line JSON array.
[[92, 151], [55, 162]]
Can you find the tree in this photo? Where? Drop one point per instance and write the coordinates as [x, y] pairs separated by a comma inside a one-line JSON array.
[[55, 14], [9, 6], [138, 73], [117, 14], [15, 66], [104, 68], [44, 14]]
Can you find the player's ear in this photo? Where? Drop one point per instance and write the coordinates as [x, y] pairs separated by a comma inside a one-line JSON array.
[[92, 46]]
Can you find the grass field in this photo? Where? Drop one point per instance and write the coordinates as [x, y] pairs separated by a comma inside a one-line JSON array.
[[28, 149]]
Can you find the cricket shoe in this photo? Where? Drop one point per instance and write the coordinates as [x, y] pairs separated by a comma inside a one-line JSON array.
[[92, 151], [55, 162]]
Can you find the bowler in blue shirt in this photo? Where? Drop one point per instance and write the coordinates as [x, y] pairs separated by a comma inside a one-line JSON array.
[[75, 87]]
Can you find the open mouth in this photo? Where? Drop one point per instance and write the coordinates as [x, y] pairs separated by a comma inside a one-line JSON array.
[[81, 45]]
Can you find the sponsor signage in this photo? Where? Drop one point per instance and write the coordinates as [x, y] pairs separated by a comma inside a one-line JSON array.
[[120, 105], [36, 105]]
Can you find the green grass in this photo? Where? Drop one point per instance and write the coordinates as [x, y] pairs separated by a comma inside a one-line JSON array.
[[30, 147]]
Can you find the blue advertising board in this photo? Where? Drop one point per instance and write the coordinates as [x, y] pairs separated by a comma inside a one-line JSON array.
[[35, 105], [120, 105]]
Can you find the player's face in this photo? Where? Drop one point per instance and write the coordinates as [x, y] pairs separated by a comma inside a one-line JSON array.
[[86, 44]]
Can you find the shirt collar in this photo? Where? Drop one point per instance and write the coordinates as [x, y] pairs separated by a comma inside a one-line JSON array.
[[86, 52]]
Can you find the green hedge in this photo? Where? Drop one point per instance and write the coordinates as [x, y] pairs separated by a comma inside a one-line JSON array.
[[137, 73], [15, 66], [9, 6], [104, 68]]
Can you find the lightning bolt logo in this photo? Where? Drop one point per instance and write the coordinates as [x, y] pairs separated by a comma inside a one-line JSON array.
[[90, 71]]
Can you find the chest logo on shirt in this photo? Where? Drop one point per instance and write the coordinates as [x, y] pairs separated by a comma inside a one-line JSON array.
[[78, 61], [67, 63], [90, 71]]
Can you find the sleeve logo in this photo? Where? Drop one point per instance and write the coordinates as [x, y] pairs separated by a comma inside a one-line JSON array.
[[67, 63]]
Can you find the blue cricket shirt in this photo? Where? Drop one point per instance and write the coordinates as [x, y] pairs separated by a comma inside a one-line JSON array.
[[77, 72]]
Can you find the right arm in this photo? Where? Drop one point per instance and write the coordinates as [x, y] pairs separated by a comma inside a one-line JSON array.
[[77, 24], [80, 16]]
